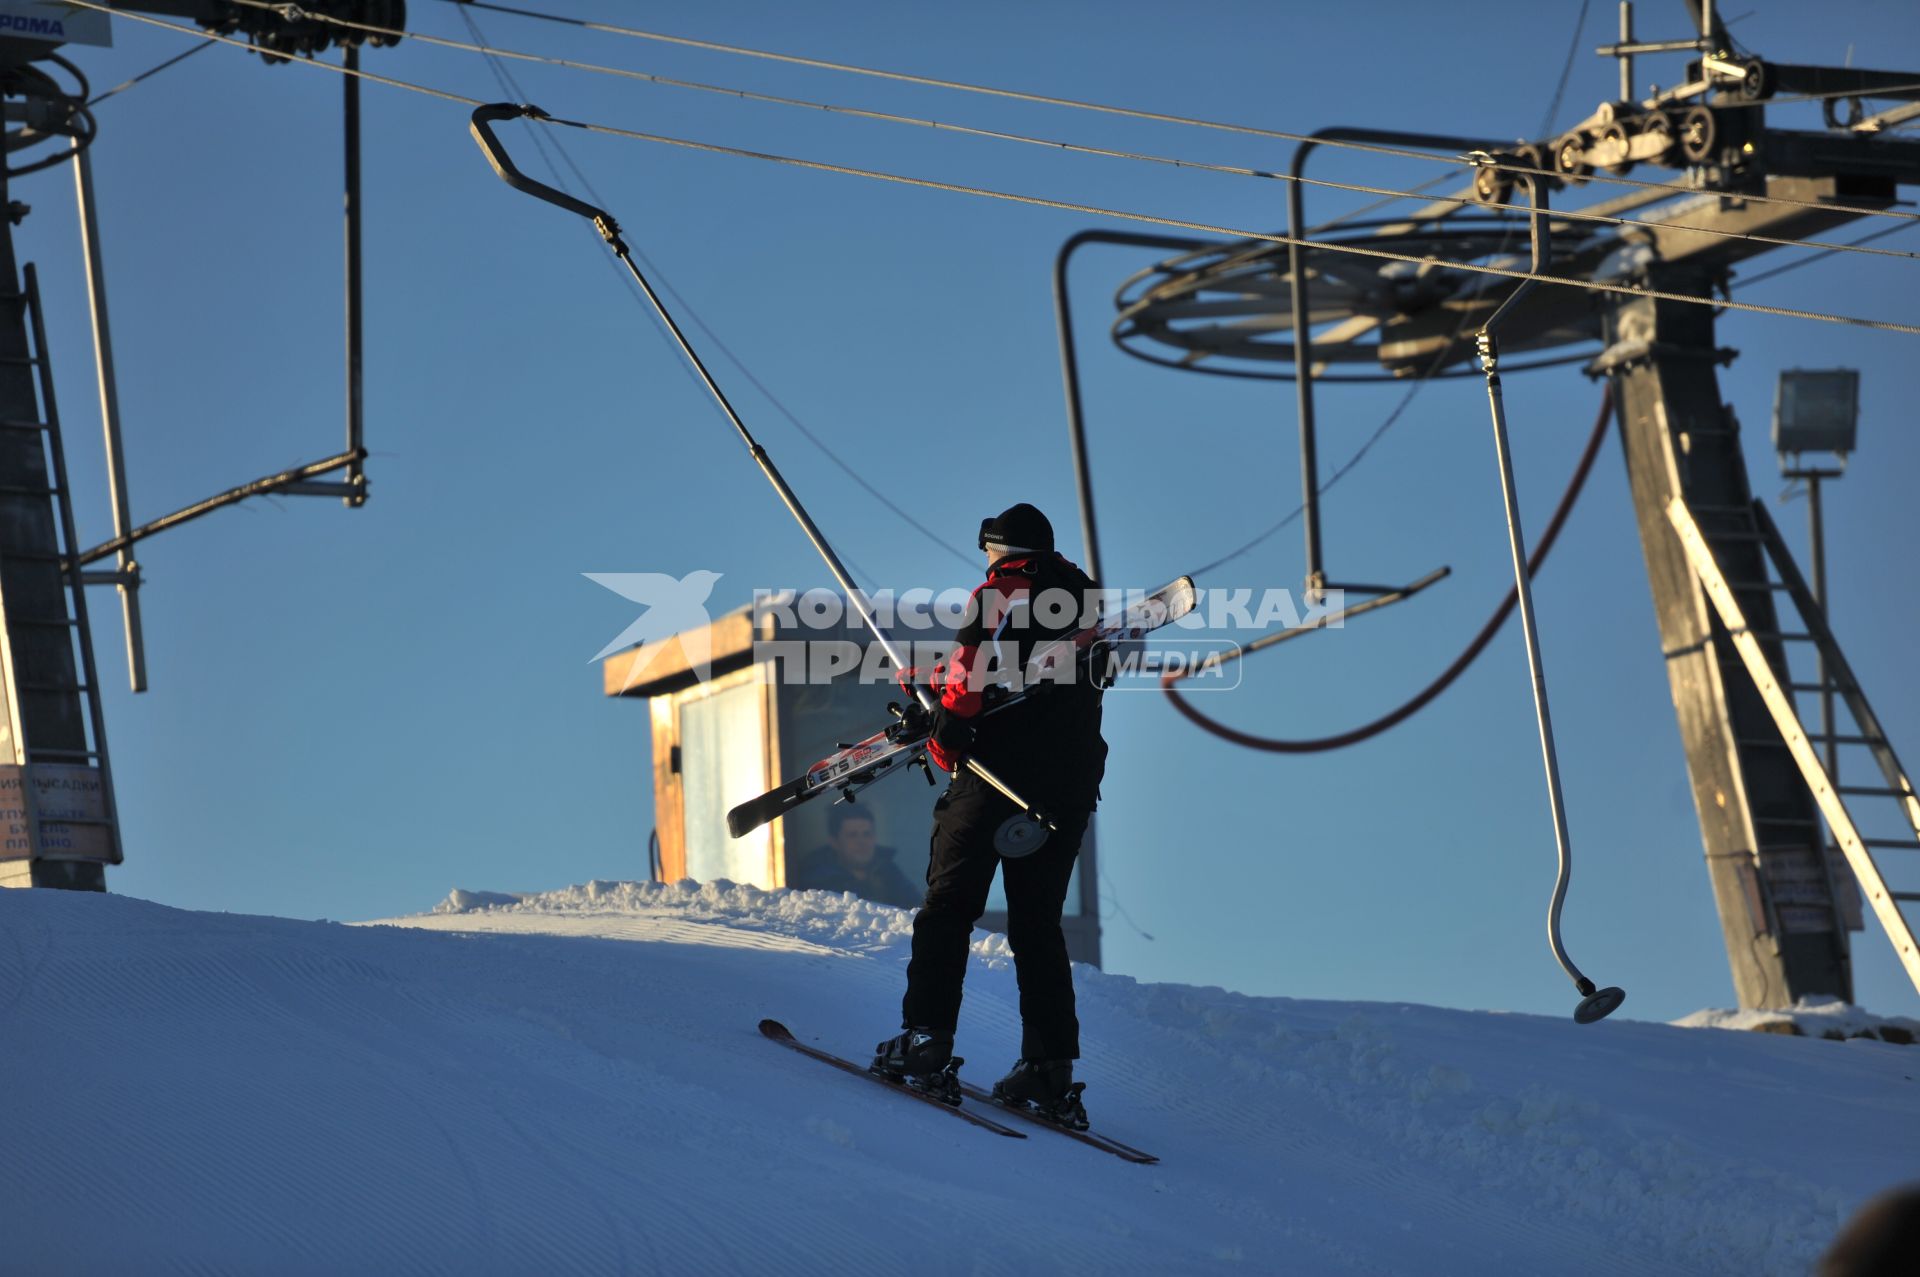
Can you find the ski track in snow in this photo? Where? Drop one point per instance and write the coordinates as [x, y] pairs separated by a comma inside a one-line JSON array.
[[572, 1082]]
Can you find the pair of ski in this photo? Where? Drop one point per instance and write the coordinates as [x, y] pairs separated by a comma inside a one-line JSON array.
[[779, 1032], [858, 765]]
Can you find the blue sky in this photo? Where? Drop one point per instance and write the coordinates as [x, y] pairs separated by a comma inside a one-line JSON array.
[[354, 711]]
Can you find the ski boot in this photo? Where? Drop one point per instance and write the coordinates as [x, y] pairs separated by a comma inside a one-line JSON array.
[[920, 1060], [1047, 1088]]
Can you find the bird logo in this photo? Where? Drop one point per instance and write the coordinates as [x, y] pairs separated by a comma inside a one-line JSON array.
[[674, 611]]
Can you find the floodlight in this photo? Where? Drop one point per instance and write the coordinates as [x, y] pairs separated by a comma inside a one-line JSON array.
[[1816, 411]]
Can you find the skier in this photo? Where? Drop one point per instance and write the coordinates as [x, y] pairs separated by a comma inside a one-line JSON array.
[[1048, 749]]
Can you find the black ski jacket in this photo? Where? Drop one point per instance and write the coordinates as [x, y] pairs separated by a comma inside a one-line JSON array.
[[1048, 746]]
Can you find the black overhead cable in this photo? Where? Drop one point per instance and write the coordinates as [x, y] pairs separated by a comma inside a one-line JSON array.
[[511, 86], [1433, 366], [1037, 201], [1234, 170], [1233, 232], [1566, 71], [1494, 623], [147, 74], [1283, 135], [1882, 233]]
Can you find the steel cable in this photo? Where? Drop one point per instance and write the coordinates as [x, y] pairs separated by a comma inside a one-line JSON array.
[[509, 84], [1018, 95], [1275, 745], [1066, 205], [1053, 144], [147, 74]]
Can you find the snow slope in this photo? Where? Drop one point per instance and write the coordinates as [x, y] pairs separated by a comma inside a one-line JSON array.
[[573, 1083]]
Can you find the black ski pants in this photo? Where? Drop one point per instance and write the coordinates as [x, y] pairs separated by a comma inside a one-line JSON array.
[[959, 876]]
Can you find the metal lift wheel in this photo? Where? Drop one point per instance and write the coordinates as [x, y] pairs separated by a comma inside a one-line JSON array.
[[1699, 134], [1492, 186], [1756, 80], [1830, 108], [1570, 157], [1658, 124], [1613, 151]]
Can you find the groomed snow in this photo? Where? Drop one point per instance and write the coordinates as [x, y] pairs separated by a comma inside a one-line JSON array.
[[572, 1082]]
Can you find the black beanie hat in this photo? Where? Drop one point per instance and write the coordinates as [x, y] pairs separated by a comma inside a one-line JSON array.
[[1018, 527]]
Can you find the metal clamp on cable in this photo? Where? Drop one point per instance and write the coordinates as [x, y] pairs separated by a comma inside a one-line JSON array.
[[481, 127]]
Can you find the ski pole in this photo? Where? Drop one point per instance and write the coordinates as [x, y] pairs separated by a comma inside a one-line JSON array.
[[1595, 1004], [603, 221]]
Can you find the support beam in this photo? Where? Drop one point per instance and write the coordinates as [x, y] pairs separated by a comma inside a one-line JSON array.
[[128, 579], [1777, 913], [38, 672], [1780, 705], [356, 483]]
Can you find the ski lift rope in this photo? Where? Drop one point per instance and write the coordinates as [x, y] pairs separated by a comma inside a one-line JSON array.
[[1233, 170], [146, 75], [1479, 643], [1430, 263], [714, 46], [511, 85], [1275, 745], [1432, 370]]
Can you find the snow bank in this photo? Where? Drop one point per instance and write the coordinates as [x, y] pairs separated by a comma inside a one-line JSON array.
[[571, 1081], [837, 918], [1812, 1017]]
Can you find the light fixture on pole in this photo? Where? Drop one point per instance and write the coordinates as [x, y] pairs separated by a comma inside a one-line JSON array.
[[1816, 411]]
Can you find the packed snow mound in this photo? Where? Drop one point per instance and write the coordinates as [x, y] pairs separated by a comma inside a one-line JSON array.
[[572, 1081], [840, 919], [1812, 1017]]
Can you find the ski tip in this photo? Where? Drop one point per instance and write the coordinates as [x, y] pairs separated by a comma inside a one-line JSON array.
[[776, 1030]]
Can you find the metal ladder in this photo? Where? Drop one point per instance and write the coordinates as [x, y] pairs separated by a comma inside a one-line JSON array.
[[1777, 689], [58, 830]]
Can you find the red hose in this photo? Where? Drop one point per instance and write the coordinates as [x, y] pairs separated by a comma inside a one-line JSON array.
[[1271, 745]]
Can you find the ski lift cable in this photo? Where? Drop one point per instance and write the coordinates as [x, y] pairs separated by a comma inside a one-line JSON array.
[[1433, 367], [1326, 486], [1093, 210], [1566, 68], [1426, 376], [1273, 745], [1834, 95], [1882, 233], [1053, 144], [1411, 192], [1127, 112], [147, 74], [1033, 825], [510, 85], [213, 37]]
